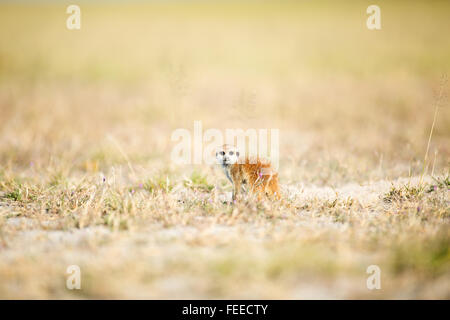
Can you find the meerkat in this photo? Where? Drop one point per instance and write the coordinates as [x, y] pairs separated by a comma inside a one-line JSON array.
[[257, 174]]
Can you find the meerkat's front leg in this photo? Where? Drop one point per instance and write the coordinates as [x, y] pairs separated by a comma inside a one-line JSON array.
[[236, 189]]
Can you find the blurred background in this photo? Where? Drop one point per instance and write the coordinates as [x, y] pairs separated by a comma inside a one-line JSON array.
[[353, 105], [138, 70]]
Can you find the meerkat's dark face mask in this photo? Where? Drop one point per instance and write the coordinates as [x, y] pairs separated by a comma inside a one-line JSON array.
[[227, 157]]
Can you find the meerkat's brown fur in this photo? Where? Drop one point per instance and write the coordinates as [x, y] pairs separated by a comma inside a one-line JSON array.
[[257, 174]]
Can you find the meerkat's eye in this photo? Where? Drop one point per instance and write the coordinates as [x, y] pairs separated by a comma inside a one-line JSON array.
[[231, 153], [222, 153]]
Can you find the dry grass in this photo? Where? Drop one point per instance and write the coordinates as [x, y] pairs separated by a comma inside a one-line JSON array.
[[86, 176]]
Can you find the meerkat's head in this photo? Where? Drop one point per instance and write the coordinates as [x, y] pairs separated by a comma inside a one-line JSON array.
[[227, 155]]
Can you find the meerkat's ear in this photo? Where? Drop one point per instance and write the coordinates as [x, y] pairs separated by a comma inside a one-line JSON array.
[[237, 153]]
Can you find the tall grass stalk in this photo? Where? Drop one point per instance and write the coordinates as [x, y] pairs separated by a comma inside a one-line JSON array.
[[436, 108]]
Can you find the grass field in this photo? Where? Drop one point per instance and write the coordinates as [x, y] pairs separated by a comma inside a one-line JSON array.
[[86, 176]]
